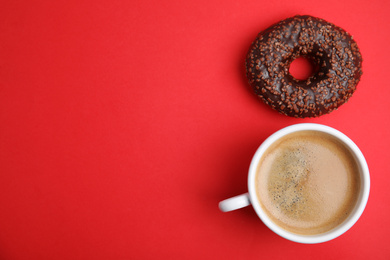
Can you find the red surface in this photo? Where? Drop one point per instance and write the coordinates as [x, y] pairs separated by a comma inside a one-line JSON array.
[[124, 123]]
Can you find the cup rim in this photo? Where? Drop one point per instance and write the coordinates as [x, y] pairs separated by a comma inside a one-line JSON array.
[[359, 208]]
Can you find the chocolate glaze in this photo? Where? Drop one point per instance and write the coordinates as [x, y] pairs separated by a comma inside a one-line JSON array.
[[331, 49]]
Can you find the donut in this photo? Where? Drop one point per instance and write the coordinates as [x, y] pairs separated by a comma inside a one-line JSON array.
[[331, 50]]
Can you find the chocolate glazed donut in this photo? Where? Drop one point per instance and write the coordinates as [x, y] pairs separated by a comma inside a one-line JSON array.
[[331, 50]]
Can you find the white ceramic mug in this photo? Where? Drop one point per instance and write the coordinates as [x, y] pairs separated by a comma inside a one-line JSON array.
[[251, 197]]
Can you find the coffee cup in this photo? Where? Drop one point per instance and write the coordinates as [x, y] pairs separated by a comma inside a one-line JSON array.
[[308, 183]]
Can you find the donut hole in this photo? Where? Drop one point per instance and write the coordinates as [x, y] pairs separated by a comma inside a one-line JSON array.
[[302, 68]]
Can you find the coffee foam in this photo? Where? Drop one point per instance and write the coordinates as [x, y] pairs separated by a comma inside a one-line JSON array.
[[307, 182]]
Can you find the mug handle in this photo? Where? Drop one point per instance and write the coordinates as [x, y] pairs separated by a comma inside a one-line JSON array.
[[234, 203]]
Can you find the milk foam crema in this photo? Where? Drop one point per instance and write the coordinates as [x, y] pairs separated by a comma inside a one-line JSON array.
[[307, 182]]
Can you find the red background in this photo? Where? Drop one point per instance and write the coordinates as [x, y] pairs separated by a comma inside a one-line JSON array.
[[124, 123]]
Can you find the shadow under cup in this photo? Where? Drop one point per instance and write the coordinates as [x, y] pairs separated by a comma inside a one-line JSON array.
[[272, 220]]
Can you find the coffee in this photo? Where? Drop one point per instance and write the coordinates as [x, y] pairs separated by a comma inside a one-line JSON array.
[[308, 182]]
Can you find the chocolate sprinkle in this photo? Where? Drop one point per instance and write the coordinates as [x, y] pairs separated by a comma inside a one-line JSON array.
[[331, 50]]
